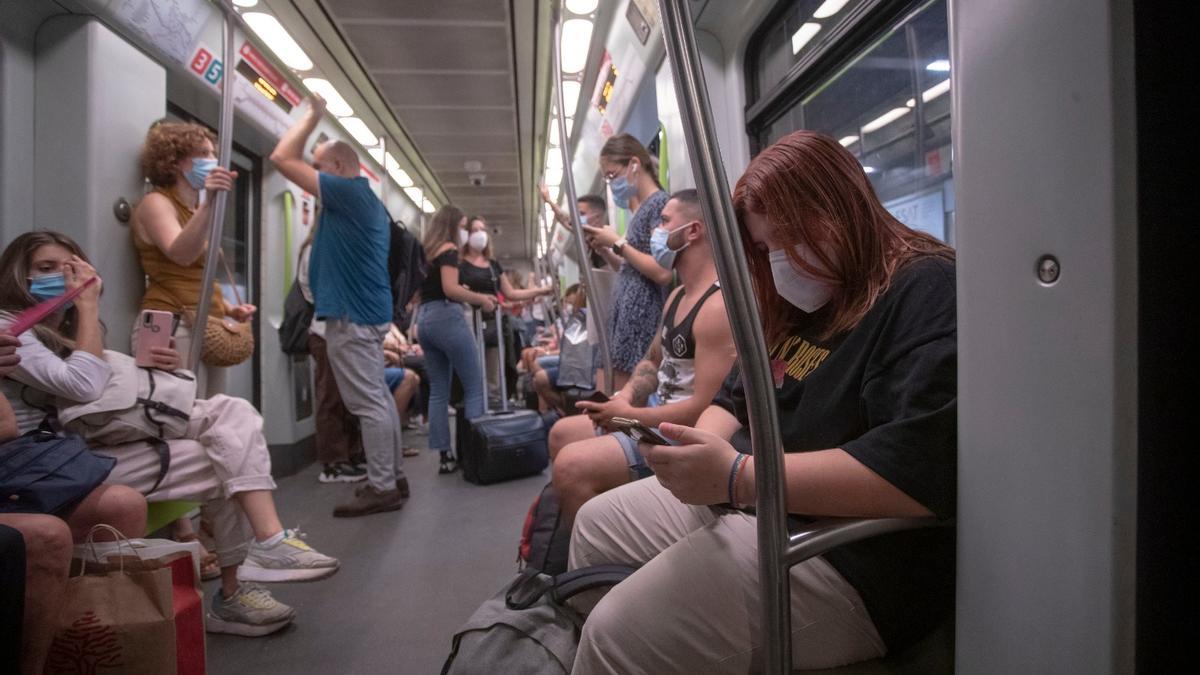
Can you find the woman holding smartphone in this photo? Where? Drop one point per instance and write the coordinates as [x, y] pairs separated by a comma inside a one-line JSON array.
[[859, 317], [447, 340]]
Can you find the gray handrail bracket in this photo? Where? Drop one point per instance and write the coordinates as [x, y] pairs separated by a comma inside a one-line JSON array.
[[818, 537]]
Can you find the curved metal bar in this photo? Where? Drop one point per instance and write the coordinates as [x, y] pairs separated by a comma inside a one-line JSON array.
[[829, 533], [692, 95], [585, 259], [216, 225]]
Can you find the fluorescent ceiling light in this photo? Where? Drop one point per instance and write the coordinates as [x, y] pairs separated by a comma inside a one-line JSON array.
[[376, 154], [415, 194], [935, 91], [869, 169], [427, 206], [553, 131], [803, 35], [847, 141], [359, 130], [570, 90], [884, 119], [554, 160], [939, 66], [245, 3], [554, 176], [829, 8], [570, 125], [576, 39], [391, 164], [335, 104], [272, 33], [401, 177], [580, 6]]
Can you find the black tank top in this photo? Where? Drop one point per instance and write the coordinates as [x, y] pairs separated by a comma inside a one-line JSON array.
[[678, 341]]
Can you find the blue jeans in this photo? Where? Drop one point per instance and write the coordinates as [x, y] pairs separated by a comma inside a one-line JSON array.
[[449, 348]]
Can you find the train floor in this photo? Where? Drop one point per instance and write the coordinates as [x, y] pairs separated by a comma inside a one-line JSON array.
[[408, 579]]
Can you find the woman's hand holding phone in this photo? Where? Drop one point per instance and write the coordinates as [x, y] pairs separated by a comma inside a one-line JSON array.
[[696, 470]]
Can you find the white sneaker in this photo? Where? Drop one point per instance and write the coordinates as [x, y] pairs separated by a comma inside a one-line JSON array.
[[251, 612], [288, 560]]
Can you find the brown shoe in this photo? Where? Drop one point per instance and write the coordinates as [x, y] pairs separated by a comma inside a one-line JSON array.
[[368, 500], [402, 487]]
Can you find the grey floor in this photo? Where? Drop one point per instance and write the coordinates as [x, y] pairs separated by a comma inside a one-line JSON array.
[[408, 579]]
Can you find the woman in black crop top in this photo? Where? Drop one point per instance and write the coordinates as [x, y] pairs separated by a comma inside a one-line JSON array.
[[859, 317], [481, 273], [443, 332]]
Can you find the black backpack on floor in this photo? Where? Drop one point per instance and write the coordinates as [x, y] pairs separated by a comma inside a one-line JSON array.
[[526, 628]]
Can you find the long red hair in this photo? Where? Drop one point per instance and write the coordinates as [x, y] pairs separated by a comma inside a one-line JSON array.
[[814, 192]]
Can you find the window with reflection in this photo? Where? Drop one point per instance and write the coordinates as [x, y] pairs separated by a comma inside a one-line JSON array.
[[889, 104]]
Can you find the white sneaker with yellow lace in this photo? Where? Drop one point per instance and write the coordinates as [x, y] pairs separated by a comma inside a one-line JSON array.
[[285, 557], [250, 612]]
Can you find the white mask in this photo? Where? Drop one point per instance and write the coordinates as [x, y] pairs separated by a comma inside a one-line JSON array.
[[478, 240], [801, 290], [462, 237]]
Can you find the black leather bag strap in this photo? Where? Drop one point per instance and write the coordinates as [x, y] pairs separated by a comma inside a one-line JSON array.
[[532, 585], [164, 461]]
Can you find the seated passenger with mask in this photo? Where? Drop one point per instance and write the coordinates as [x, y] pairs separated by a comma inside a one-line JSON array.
[[675, 381]]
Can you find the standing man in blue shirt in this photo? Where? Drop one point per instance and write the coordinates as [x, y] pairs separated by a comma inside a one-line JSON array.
[[352, 292]]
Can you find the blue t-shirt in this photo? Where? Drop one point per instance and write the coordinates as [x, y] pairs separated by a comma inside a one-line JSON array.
[[347, 269]]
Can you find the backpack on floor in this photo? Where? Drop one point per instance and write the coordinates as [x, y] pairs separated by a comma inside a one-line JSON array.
[[545, 541], [526, 628]]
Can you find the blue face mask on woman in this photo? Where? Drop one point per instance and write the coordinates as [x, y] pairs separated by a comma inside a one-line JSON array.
[[622, 190], [201, 167], [47, 286]]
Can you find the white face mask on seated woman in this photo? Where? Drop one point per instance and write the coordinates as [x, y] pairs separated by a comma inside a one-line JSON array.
[[805, 292]]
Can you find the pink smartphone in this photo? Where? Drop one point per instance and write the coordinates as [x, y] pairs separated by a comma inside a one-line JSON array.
[[154, 330]]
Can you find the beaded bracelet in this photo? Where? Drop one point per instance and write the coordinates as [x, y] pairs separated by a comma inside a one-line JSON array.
[[734, 470]]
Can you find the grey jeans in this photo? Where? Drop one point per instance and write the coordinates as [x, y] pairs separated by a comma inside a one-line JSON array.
[[356, 358]]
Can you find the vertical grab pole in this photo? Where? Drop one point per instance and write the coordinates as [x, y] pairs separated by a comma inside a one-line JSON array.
[[585, 259], [692, 95], [217, 223]]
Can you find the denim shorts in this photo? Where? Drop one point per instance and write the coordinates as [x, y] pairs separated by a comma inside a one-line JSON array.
[[394, 377], [638, 469]]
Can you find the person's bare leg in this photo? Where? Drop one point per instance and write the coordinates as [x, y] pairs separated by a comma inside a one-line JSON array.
[[122, 507], [259, 507], [404, 393], [569, 430], [546, 392], [585, 469], [229, 580], [47, 562]]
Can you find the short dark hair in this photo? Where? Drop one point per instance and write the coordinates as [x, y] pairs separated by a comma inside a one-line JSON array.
[[594, 201], [690, 199]]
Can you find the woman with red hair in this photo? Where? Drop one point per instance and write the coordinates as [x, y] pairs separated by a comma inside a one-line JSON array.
[[859, 316]]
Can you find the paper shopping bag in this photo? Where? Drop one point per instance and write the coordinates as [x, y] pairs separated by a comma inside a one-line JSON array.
[[116, 620]]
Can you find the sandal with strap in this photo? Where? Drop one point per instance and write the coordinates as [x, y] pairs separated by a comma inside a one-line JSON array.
[[209, 569]]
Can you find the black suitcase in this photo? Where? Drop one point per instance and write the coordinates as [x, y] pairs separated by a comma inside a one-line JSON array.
[[502, 444]]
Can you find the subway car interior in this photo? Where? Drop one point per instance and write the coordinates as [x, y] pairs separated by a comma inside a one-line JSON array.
[[941, 431]]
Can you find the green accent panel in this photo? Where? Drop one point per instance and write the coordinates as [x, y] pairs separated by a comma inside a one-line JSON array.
[[161, 514], [289, 206], [622, 215]]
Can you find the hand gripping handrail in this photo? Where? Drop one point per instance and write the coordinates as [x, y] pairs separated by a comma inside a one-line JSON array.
[[692, 95], [595, 308], [216, 225]]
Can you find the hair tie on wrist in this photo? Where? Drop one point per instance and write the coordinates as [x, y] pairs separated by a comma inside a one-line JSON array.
[[734, 470]]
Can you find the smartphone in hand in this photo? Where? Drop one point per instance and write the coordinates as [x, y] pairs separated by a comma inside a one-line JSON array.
[[154, 330], [639, 432], [598, 397]]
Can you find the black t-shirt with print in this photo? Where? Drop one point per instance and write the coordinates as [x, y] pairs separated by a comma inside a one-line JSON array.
[[885, 393]]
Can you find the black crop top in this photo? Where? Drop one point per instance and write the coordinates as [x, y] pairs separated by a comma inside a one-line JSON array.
[[432, 288]]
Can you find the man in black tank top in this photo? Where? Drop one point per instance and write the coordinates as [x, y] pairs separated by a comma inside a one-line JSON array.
[[676, 379]]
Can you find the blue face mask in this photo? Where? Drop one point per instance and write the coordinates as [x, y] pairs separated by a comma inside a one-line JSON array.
[[47, 286], [663, 254], [201, 167], [622, 191]]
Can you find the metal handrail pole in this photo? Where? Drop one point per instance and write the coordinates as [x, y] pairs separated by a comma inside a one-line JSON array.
[[732, 269], [216, 224], [594, 307]]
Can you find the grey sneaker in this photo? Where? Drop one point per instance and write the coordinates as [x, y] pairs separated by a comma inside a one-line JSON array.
[[251, 612], [368, 500], [288, 560]]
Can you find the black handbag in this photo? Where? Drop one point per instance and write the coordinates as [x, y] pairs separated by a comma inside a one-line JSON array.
[[297, 317], [41, 472]]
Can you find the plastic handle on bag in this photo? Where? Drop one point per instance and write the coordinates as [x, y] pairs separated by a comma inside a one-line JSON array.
[[119, 537]]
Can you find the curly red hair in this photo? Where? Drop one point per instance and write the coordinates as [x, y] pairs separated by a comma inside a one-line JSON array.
[[167, 144]]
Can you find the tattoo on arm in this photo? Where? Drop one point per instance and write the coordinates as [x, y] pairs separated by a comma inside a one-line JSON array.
[[643, 383]]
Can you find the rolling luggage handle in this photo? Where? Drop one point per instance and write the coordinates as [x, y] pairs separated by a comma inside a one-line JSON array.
[[477, 315]]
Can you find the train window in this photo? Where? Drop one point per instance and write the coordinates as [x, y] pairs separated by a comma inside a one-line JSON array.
[[889, 104]]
